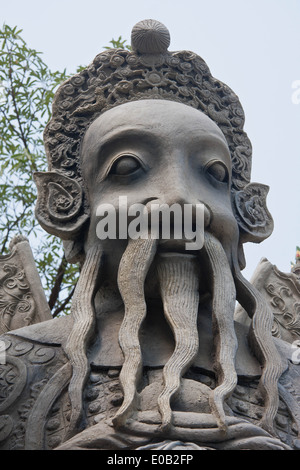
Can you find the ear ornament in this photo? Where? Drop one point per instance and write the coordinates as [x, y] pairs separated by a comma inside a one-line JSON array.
[[254, 219], [59, 209]]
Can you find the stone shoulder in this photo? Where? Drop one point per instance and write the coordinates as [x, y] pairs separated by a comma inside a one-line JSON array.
[[31, 379]]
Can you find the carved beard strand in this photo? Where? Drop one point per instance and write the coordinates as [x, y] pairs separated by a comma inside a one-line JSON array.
[[225, 341], [262, 344], [179, 285], [83, 314]]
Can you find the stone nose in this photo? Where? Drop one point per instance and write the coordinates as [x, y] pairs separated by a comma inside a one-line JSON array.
[[180, 207], [177, 186]]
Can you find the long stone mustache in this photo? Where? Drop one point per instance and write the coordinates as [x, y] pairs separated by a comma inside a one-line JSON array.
[[225, 341], [179, 285], [133, 269], [260, 335]]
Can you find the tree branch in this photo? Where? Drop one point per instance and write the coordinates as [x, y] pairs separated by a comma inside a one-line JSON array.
[[58, 282], [64, 303], [10, 227]]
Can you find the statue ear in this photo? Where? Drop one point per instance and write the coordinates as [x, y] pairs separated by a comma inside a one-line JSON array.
[[254, 219], [60, 207]]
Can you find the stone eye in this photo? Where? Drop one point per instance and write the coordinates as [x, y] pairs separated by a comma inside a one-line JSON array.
[[125, 165], [218, 171]]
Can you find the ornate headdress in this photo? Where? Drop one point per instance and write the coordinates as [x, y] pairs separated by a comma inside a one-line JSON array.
[[147, 71]]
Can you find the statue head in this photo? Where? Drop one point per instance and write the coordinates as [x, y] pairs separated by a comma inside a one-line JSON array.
[[157, 127], [147, 72]]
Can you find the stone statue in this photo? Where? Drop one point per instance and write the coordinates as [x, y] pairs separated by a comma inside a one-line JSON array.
[[151, 356]]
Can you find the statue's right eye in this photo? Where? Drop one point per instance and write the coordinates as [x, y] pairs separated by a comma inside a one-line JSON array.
[[125, 165]]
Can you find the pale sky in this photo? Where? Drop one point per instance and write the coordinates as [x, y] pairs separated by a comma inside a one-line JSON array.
[[251, 45]]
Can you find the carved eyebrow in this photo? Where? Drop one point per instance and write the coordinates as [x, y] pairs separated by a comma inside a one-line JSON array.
[[205, 137], [128, 135], [114, 143], [218, 144]]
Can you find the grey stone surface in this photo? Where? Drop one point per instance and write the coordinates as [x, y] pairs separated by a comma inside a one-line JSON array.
[[151, 356], [22, 299]]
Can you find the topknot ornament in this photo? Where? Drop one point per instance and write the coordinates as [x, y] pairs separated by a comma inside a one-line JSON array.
[[150, 37]]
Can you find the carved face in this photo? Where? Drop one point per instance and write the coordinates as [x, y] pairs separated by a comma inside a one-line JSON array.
[[154, 150], [160, 151]]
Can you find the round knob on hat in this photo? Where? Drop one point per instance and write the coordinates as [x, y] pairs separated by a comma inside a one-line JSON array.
[[150, 37]]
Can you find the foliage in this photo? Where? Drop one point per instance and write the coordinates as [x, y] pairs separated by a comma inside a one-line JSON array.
[[118, 44], [26, 91], [297, 257]]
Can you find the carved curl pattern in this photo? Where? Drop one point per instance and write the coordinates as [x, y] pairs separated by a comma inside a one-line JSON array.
[[13, 376], [6, 425], [15, 297], [286, 310], [119, 76]]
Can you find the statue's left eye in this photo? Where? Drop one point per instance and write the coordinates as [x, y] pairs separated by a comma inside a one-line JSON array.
[[218, 170], [125, 165]]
